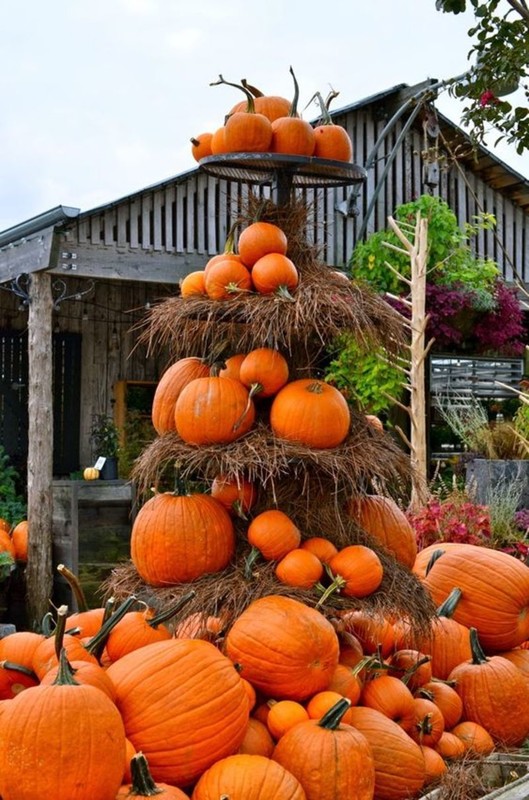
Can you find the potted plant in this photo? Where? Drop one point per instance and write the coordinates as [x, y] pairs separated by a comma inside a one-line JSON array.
[[104, 435]]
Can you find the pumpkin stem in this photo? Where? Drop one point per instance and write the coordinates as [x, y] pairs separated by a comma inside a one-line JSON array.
[[96, 645], [424, 725], [65, 673], [333, 717], [60, 628], [447, 608], [249, 562], [435, 555], [142, 783], [252, 89], [407, 674], [326, 118], [250, 108], [294, 105], [75, 586], [238, 423], [238, 510], [336, 586], [478, 654], [10, 665], [47, 625], [109, 609], [163, 616], [284, 293]]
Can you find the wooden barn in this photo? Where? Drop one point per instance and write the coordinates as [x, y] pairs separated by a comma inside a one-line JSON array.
[[74, 283]]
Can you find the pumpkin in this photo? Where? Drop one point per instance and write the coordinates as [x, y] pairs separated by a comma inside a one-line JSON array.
[[382, 518], [299, 568], [90, 474], [213, 410], [275, 274], [450, 746], [491, 688], [232, 366], [246, 131], [20, 647], [142, 783], [193, 284], [427, 556], [237, 495], [290, 133], [444, 696], [434, 763], [14, 678], [356, 571], [264, 371], [310, 412], [247, 777], [323, 548], [273, 533], [201, 146], [283, 647], [411, 666], [86, 673], [227, 278], [400, 771], [259, 239], [331, 141], [322, 702], [19, 537], [429, 724], [375, 632], [346, 682], [169, 388], [6, 543], [183, 705], [475, 737], [391, 697], [67, 739], [257, 739], [218, 141], [329, 759], [518, 656], [179, 537], [494, 593], [449, 643], [283, 715], [271, 106]]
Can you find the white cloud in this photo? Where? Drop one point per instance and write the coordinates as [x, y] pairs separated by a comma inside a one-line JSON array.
[[185, 40]]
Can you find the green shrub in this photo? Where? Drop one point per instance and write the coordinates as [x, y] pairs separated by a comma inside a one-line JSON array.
[[12, 506]]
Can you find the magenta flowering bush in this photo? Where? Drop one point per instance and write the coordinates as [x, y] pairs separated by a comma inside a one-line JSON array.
[[451, 521]]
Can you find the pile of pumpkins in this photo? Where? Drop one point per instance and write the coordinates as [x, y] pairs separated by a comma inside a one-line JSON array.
[[284, 703], [14, 540], [260, 266], [272, 124]]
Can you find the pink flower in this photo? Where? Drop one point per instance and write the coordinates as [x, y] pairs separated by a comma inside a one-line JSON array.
[[487, 98]]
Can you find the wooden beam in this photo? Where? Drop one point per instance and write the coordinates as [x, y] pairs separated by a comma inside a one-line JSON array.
[[111, 263], [40, 448], [26, 255]]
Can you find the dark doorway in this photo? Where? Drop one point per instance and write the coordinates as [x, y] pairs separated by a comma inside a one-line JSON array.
[[66, 400]]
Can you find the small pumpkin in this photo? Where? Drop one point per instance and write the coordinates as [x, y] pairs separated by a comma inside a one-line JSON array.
[[213, 410], [355, 570], [299, 568], [226, 279], [142, 783], [264, 371], [19, 537], [291, 134], [246, 131], [273, 533], [283, 715], [237, 495], [257, 740], [310, 412], [272, 106], [331, 141], [275, 274], [247, 777], [193, 284], [259, 239], [90, 474], [201, 146], [169, 388]]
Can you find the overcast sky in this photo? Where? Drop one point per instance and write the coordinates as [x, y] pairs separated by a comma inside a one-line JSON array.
[[101, 97]]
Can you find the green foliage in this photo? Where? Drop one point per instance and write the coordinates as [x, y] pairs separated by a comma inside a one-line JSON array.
[[104, 436], [500, 43], [450, 259], [138, 433], [12, 506], [364, 378]]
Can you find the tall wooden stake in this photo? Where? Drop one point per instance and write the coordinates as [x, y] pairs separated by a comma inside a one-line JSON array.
[[40, 448], [417, 250]]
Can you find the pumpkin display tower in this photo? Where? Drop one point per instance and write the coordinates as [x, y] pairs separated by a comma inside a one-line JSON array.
[[272, 462]]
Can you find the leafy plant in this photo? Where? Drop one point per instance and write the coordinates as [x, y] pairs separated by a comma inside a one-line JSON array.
[[453, 519], [365, 378], [12, 505], [104, 435]]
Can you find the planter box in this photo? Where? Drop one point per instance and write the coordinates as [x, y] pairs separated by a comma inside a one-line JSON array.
[[506, 774], [485, 477]]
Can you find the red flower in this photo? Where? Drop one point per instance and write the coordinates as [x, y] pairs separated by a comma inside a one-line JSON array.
[[487, 98]]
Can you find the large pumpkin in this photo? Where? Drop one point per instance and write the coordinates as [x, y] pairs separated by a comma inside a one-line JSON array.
[[183, 705], [494, 593], [63, 740], [213, 410], [169, 388], [331, 760], [176, 538], [248, 777], [310, 412], [381, 517], [283, 647]]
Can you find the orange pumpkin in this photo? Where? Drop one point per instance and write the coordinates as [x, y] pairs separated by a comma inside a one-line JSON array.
[[283, 647], [283, 715], [201, 146], [237, 495], [435, 765], [475, 737], [357, 572], [213, 410], [273, 533], [275, 274], [142, 783], [391, 697], [183, 705], [232, 366], [382, 518], [226, 279], [259, 239], [264, 371], [194, 284], [290, 133], [299, 568], [444, 696], [176, 538], [14, 678], [272, 106], [257, 740], [19, 537], [310, 412], [169, 388], [247, 777], [246, 131], [429, 724], [323, 548]]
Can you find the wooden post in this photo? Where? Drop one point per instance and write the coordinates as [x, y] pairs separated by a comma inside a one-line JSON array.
[[40, 449], [417, 250]]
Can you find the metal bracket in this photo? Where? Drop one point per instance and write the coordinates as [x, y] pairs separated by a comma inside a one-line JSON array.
[[59, 286], [20, 287]]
